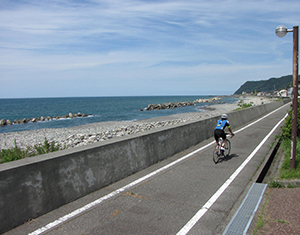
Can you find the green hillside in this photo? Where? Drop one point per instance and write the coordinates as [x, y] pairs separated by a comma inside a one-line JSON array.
[[267, 86]]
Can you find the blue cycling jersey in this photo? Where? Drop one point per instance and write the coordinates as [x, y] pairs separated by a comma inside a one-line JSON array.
[[221, 124]]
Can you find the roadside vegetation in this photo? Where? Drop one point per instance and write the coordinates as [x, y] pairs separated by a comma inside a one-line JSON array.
[[243, 105], [16, 153], [286, 134], [260, 222], [286, 172]]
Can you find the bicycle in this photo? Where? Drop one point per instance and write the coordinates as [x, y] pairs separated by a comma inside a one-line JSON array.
[[218, 153]]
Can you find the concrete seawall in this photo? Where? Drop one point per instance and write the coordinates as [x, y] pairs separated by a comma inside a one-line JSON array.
[[34, 186]]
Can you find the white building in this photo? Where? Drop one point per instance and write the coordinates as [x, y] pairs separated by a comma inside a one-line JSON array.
[[282, 93]]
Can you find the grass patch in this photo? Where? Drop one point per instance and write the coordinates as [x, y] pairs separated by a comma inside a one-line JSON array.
[[13, 154], [276, 184], [16, 153], [282, 221], [46, 147], [243, 105], [285, 171], [260, 222]]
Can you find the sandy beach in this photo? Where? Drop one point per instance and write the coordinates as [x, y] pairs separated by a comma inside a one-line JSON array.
[[95, 132]]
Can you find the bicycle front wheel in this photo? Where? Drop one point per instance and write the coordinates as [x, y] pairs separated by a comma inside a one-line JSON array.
[[227, 148]]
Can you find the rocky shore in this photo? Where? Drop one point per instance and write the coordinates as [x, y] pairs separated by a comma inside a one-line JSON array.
[[95, 132]]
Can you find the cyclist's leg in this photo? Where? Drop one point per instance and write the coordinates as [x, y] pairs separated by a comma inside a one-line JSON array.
[[216, 135], [223, 135]]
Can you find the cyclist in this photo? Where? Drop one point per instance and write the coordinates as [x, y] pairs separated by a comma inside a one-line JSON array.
[[219, 131]]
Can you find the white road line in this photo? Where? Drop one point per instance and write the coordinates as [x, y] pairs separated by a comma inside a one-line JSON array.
[[262, 118], [217, 194], [118, 191], [112, 194]]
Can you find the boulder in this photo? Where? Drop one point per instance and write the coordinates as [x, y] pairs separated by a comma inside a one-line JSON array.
[[8, 122], [2, 122]]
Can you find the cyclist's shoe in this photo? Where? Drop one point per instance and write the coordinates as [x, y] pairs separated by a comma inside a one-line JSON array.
[[222, 151]]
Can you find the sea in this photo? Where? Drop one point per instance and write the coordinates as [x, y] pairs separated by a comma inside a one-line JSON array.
[[98, 109]]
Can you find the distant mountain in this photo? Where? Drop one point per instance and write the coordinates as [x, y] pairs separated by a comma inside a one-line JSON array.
[[267, 86]]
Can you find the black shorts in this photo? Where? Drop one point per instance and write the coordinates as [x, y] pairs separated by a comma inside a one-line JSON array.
[[219, 133]]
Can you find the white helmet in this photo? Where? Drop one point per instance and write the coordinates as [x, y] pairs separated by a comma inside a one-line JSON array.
[[224, 116]]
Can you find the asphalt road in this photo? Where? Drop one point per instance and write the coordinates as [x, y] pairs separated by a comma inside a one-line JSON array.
[[185, 194]]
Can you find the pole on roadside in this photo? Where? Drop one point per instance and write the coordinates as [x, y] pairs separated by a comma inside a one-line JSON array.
[[295, 97], [281, 31]]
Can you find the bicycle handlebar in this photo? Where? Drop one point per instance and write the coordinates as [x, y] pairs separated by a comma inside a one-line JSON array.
[[229, 134]]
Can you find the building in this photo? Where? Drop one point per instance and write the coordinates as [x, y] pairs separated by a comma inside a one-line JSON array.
[[282, 93]]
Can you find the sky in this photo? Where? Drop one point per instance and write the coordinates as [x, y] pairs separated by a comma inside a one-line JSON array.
[[86, 48]]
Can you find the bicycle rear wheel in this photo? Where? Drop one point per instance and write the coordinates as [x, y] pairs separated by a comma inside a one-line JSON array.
[[227, 148], [216, 156]]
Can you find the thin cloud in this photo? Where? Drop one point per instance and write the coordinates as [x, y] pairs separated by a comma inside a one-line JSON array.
[[144, 41]]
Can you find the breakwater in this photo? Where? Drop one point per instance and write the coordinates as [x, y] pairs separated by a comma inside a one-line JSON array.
[[4, 122], [173, 105]]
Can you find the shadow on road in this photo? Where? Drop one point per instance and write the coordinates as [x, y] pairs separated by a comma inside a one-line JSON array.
[[227, 158]]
